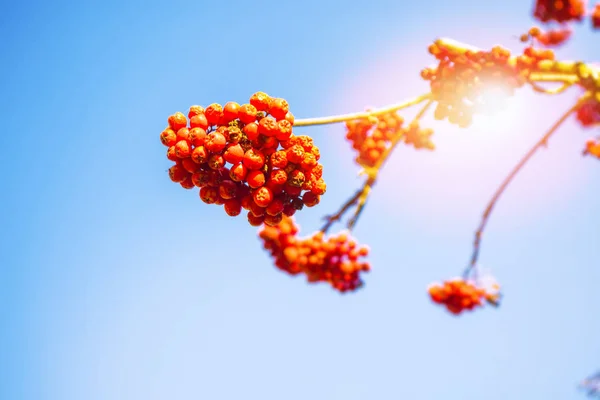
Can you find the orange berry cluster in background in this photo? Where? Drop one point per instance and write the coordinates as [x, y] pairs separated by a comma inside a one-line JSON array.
[[549, 38], [459, 81], [370, 137], [559, 10], [592, 148], [596, 16], [245, 156], [588, 114], [459, 295], [335, 259]]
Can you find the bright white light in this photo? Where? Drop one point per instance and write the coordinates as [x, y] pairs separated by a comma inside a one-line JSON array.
[[496, 107]]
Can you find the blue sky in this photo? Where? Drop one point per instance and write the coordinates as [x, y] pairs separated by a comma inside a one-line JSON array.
[[117, 284]]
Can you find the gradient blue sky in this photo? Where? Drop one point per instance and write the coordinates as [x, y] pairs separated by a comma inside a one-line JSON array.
[[117, 284]]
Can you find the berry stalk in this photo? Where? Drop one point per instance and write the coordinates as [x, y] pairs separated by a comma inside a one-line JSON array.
[[359, 199], [334, 119], [542, 142], [574, 72]]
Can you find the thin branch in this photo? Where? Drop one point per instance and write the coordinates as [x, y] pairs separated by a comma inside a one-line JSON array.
[[488, 210], [360, 197], [360, 115], [331, 219], [558, 90]]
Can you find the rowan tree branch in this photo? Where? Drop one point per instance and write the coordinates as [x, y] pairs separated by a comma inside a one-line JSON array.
[[542, 142]]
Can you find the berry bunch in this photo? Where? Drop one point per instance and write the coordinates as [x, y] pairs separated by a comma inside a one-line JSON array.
[[245, 156], [418, 137], [459, 80], [596, 16], [550, 38], [459, 295], [589, 113], [370, 137], [334, 260], [592, 148], [559, 10]]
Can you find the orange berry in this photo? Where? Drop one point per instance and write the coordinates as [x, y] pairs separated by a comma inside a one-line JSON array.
[[199, 121], [261, 101], [251, 131], [183, 149], [177, 173], [177, 121], [267, 126], [214, 113], [233, 207], [228, 189], [255, 220], [238, 172], [262, 196], [279, 108], [230, 111], [190, 166], [209, 195], [171, 154], [197, 136], [168, 137], [187, 183], [247, 113], [215, 142], [254, 159]]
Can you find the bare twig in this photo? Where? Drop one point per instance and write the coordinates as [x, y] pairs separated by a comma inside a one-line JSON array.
[[360, 115], [542, 142]]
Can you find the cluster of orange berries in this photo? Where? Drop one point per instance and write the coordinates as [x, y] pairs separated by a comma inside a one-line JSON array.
[[335, 260], [370, 137], [245, 156], [596, 16], [550, 38], [588, 114], [592, 148], [560, 11], [460, 294], [459, 81]]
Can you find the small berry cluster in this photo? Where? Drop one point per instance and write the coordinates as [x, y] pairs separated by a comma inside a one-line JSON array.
[[596, 16], [588, 114], [560, 11], [370, 137], [418, 137], [334, 260], [550, 38], [459, 295], [459, 81], [592, 148], [245, 156]]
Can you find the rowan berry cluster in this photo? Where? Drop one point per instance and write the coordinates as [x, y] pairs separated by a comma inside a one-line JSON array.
[[460, 294], [592, 148], [596, 16], [559, 10], [459, 81], [335, 260], [588, 114], [245, 156], [549, 38], [370, 137]]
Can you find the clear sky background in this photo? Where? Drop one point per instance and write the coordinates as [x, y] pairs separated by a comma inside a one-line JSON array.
[[117, 284]]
